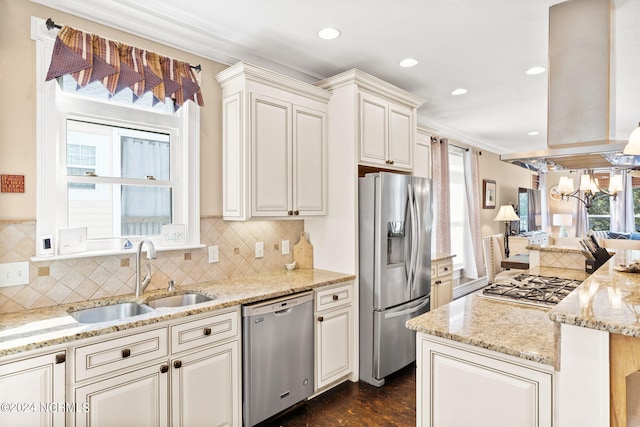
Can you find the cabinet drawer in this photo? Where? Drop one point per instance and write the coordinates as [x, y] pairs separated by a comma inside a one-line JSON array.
[[327, 299], [119, 353], [445, 268], [196, 333]]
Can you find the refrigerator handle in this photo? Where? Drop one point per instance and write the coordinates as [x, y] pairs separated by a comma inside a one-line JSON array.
[[418, 238], [409, 310], [414, 233]]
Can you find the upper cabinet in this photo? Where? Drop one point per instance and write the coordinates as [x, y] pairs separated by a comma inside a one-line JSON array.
[[386, 128], [274, 145]]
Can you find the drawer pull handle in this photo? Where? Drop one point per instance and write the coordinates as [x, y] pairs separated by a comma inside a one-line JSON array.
[[336, 297], [320, 319], [126, 353], [60, 358], [177, 364], [207, 331], [164, 369]]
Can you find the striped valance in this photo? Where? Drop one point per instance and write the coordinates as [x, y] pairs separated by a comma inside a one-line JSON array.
[[88, 58]]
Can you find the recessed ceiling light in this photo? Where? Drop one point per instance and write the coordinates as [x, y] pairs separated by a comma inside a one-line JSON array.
[[534, 133], [329, 33], [459, 91], [536, 70], [409, 62]]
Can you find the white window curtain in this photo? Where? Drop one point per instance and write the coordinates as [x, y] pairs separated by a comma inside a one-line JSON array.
[[545, 221], [582, 217], [440, 178], [473, 258], [622, 219]]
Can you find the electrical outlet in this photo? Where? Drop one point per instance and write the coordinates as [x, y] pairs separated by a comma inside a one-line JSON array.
[[285, 247], [214, 256], [259, 249], [14, 273]]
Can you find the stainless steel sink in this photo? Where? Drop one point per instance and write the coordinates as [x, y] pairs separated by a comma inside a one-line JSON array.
[[179, 300], [110, 312]]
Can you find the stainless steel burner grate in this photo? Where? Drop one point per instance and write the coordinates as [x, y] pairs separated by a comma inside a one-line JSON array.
[[538, 290]]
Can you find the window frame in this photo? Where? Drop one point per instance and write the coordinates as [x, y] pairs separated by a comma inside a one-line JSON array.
[[52, 113]]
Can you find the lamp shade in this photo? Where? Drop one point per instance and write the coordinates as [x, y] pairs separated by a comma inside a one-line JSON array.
[[633, 146], [506, 213], [562, 220]]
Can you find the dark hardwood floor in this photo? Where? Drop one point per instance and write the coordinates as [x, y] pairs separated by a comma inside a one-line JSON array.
[[358, 404]]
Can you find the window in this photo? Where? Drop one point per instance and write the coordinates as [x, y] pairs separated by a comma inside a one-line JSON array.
[[458, 205], [118, 165]]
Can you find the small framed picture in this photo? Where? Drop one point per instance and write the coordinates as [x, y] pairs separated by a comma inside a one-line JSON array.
[[488, 194]]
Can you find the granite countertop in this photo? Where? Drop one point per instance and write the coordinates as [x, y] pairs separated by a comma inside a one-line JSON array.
[[555, 248], [32, 329], [498, 325], [609, 300], [441, 257]]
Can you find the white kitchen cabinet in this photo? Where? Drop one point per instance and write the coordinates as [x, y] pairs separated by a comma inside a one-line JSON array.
[[182, 374], [30, 389], [462, 385], [274, 145], [386, 133], [441, 282], [205, 387], [136, 398], [333, 334]]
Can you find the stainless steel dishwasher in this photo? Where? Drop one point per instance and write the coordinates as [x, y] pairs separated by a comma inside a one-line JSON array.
[[277, 359]]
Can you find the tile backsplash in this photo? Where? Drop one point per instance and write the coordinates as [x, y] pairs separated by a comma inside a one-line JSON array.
[[77, 279]]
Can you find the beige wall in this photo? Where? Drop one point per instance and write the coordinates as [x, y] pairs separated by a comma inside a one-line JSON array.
[[508, 178], [18, 111]]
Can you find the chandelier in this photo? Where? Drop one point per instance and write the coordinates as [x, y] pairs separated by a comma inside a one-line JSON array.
[[589, 187]]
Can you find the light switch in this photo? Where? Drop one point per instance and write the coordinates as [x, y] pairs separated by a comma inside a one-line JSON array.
[[214, 255], [14, 273], [259, 249], [285, 247]]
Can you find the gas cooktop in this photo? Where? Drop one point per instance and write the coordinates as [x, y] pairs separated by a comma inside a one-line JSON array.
[[530, 289]]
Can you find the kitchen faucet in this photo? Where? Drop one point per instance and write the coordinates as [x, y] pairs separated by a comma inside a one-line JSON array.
[[141, 284]]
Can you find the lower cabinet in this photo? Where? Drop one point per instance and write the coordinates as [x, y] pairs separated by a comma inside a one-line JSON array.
[[441, 282], [31, 390], [191, 379], [459, 385], [333, 334]]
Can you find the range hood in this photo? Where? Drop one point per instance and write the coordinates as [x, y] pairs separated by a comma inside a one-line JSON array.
[[580, 112]]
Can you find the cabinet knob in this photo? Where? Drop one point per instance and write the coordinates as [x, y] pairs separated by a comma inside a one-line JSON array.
[[320, 319], [335, 297], [290, 213], [390, 162], [177, 364], [164, 369], [126, 353], [446, 269], [60, 358], [438, 282], [207, 331], [296, 212]]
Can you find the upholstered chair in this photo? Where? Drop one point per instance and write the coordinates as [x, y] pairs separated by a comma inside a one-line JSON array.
[[493, 247]]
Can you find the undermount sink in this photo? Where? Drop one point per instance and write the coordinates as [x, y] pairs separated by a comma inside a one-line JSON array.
[[179, 300], [110, 312]]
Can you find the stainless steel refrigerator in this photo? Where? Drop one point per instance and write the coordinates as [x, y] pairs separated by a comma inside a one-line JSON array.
[[395, 269]]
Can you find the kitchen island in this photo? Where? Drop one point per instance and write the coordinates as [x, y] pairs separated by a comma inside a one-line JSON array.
[[513, 364]]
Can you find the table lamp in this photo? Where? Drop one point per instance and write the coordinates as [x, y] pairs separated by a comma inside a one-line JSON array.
[[563, 221], [506, 214]]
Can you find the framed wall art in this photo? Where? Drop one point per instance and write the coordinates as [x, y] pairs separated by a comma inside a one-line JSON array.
[[488, 194]]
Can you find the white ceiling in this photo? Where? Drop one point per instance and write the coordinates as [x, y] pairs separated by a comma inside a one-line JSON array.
[[484, 46]]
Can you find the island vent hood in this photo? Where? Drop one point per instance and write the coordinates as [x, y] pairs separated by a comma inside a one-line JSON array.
[[580, 108]]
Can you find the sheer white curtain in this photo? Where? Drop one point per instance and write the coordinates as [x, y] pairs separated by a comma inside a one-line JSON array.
[[582, 216], [622, 219], [545, 221], [473, 257], [440, 178]]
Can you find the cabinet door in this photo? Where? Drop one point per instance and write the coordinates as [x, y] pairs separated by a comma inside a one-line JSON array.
[[27, 384], [493, 392], [443, 293], [373, 130], [334, 341], [401, 136], [205, 387], [309, 166], [271, 156], [138, 398]]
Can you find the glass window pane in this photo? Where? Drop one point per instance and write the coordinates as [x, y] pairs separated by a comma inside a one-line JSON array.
[[144, 157], [112, 210]]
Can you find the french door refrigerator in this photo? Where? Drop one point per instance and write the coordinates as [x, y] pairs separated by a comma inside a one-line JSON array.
[[395, 269]]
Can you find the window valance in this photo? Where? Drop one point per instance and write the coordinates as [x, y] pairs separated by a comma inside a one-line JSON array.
[[89, 57]]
